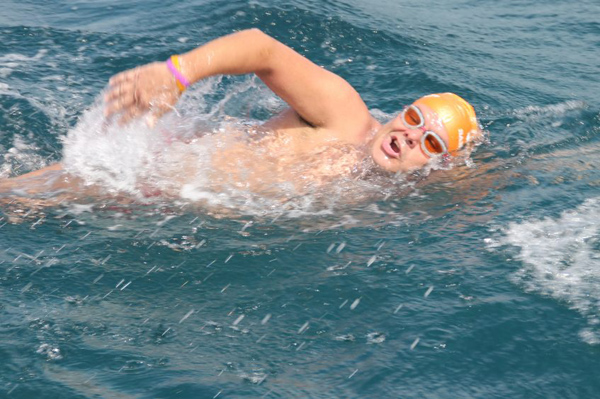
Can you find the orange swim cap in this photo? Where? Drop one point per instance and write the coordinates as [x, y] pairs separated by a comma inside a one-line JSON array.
[[457, 115]]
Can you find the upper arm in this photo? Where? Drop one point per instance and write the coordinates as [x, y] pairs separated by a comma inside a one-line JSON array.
[[319, 96]]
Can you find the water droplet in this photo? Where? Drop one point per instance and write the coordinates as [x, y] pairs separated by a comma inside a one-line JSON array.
[[415, 343], [188, 314], [303, 328], [238, 320], [371, 260], [266, 319], [429, 290], [26, 288], [375, 338]]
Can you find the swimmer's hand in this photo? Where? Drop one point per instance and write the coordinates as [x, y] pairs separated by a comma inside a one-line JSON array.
[[149, 89]]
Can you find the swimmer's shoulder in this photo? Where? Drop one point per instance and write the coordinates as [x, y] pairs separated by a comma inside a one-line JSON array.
[[353, 130]]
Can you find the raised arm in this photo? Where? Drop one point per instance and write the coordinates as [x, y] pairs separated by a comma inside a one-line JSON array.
[[320, 97]]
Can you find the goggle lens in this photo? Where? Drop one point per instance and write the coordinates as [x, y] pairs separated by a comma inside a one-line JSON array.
[[433, 144], [413, 117]]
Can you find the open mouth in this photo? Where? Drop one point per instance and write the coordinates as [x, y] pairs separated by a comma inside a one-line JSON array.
[[395, 146], [391, 147]]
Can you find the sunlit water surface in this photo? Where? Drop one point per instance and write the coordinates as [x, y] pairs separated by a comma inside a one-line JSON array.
[[477, 281]]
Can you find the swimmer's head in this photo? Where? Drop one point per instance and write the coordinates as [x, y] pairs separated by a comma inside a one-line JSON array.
[[457, 116], [436, 124]]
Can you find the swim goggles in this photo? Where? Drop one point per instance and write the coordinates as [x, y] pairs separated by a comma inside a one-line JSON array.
[[431, 143]]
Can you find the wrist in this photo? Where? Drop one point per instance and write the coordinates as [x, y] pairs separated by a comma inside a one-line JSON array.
[[188, 63], [174, 66]]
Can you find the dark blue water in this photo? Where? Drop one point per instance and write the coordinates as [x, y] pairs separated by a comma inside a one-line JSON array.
[[481, 282]]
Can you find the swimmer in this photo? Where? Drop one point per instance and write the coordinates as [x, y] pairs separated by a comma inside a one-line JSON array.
[[324, 109]]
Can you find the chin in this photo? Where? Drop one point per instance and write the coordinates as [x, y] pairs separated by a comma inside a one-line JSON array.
[[382, 161], [396, 165]]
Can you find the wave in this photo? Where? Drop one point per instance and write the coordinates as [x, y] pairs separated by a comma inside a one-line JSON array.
[[561, 259]]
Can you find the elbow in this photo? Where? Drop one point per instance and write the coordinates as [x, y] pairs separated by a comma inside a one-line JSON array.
[[258, 34], [255, 35], [255, 31], [266, 47]]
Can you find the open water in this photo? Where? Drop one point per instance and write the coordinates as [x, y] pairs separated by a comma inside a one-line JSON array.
[[482, 281]]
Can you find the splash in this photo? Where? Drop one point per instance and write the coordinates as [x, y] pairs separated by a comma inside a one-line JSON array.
[[23, 155], [200, 154], [137, 160], [562, 260]]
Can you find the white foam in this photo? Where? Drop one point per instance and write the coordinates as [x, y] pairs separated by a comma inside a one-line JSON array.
[[135, 158], [5, 90], [22, 156], [15, 60], [106, 154], [562, 260], [174, 159], [534, 113]]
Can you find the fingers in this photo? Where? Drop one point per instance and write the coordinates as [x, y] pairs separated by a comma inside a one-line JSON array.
[[147, 88], [122, 92], [120, 99], [123, 77]]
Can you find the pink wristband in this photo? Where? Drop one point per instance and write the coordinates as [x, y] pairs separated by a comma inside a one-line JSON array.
[[178, 75]]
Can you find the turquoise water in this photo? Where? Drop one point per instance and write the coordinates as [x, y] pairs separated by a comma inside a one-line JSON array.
[[479, 282]]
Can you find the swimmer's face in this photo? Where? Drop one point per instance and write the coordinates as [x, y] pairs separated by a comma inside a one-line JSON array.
[[397, 146]]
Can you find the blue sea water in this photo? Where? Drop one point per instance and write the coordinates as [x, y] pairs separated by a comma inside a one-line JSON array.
[[480, 282]]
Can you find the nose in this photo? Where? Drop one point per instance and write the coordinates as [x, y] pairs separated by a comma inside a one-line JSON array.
[[412, 134], [412, 137], [408, 132]]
